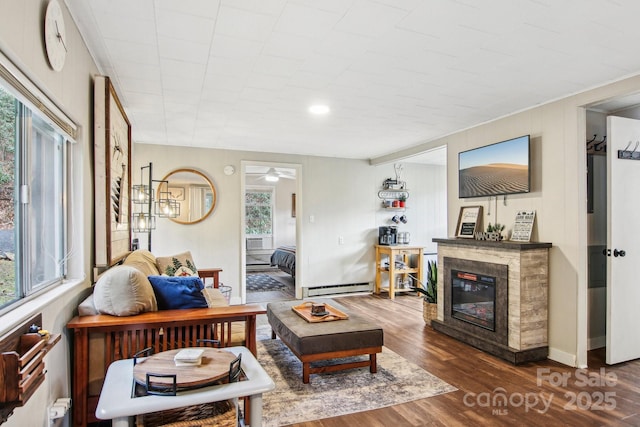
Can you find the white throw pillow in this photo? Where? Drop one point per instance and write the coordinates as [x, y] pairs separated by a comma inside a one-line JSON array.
[[124, 291]]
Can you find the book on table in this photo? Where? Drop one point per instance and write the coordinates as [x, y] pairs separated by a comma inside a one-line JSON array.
[[188, 357]]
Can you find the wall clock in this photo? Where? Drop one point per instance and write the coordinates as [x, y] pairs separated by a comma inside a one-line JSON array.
[[55, 36]]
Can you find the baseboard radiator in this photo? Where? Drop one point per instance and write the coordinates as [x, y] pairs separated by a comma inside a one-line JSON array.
[[346, 288]]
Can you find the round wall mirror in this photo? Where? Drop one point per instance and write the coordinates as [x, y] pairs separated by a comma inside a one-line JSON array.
[[193, 192]]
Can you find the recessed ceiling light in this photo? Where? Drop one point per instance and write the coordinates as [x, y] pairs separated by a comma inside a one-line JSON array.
[[319, 109]]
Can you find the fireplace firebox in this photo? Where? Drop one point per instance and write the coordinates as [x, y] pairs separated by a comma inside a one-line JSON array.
[[476, 298], [473, 298]]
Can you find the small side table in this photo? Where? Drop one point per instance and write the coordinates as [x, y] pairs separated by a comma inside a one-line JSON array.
[[412, 263], [117, 403]]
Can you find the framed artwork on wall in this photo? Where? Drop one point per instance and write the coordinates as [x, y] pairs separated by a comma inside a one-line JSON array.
[[176, 193], [112, 169], [469, 221]]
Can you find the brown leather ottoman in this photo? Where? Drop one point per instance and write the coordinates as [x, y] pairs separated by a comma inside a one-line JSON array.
[[312, 342]]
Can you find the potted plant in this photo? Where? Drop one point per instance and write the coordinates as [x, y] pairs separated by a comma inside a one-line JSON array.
[[402, 199], [496, 228], [430, 292]]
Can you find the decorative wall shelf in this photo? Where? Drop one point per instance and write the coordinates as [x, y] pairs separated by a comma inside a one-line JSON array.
[[390, 194], [22, 365]]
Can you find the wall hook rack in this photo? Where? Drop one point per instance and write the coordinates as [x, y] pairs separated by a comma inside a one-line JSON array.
[[630, 155], [597, 146]]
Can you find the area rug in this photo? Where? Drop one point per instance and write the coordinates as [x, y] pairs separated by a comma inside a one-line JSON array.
[[263, 283], [338, 393]]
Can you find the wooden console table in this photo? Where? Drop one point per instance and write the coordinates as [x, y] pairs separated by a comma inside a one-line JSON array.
[[412, 263]]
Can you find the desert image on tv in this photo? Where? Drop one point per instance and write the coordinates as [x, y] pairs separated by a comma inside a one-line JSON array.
[[494, 178]]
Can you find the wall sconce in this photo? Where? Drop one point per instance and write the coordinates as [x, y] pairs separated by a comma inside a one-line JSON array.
[[142, 219]]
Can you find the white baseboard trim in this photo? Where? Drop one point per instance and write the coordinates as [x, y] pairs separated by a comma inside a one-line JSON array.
[[597, 342], [562, 357], [347, 288]]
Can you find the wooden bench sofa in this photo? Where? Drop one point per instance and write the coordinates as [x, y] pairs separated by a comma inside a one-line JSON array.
[[100, 339]]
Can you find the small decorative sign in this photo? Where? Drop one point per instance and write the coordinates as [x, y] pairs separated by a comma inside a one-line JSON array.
[[491, 237], [523, 226], [469, 221]]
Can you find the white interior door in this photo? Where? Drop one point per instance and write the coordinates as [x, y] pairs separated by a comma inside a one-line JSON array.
[[623, 244]]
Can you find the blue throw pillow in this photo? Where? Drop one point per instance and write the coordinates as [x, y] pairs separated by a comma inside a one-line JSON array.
[[178, 292]]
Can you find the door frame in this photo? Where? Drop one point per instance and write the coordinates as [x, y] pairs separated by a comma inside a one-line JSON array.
[[583, 286], [299, 224]]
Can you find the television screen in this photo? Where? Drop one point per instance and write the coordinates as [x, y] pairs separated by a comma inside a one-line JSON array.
[[496, 169]]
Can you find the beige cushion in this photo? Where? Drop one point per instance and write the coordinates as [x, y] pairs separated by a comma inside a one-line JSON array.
[[237, 333], [177, 265], [124, 291], [214, 297], [144, 261], [87, 307]]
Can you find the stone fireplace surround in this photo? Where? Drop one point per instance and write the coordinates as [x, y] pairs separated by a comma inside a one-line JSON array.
[[521, 305]]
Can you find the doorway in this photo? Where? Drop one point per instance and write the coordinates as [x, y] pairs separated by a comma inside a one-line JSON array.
[[608, 130], [271, 194]]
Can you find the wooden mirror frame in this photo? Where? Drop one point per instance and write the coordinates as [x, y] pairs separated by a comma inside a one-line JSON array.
[[167, 179]]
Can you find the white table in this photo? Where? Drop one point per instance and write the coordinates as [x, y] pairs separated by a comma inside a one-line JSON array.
[[117, 403]]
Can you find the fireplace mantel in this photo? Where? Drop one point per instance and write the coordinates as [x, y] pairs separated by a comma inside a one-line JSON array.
[[527, 293], [504, 244]]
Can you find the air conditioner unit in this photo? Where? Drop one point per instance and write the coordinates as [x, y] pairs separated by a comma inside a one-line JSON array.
[[254, 243]]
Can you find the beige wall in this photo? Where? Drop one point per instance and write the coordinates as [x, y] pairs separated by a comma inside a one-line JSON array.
[[558, 132], [340, 195], [21, 40]]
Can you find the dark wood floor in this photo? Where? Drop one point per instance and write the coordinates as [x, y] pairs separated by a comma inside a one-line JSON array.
[[584, 399]]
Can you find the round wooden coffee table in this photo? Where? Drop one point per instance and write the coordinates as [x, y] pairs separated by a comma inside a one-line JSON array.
[[214, 367]]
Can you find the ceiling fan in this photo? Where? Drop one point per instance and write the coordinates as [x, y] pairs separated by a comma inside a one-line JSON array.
[[273, 174]]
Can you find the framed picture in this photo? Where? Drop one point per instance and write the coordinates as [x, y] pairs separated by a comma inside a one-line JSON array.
[[112, 165], [469, 221], [176, 193], [523, 226]]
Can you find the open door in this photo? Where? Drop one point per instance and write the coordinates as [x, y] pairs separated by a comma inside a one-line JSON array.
[[623, 245]]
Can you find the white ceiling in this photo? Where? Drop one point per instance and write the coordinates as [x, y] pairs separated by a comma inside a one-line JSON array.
[[241, 74]]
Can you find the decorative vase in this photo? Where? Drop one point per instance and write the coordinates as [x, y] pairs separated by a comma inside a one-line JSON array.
[[429, 311]]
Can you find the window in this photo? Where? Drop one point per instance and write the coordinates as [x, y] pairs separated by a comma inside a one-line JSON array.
[[259, 211], [33, 195]]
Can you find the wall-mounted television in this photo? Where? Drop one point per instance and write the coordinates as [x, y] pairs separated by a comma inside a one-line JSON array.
[[496, 169]]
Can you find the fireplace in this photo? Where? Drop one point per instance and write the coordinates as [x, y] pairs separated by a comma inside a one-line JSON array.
[[493, 296], [473, 298], [476, 299]]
